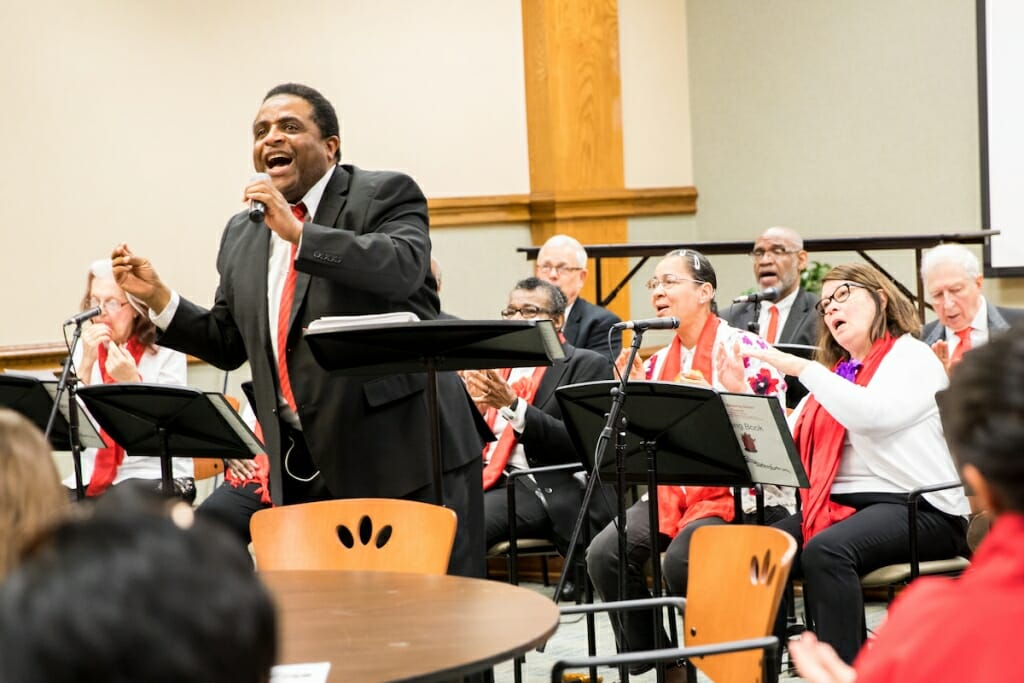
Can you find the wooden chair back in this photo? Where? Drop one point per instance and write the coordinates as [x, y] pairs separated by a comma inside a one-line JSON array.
[[370, 534], [734, 590]]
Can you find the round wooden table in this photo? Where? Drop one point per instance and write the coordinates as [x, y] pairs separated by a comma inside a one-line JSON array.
[[390, 626]]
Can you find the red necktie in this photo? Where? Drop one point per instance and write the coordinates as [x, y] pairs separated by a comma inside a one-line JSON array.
[[773, 324], [284, 313], [961, 348]]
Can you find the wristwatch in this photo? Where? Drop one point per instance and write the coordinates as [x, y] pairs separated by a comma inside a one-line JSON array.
[[509, 411]]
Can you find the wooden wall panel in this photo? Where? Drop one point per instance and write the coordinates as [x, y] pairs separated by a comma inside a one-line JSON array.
[[574, 119]]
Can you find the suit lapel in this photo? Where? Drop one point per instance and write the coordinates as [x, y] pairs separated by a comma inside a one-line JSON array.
[[552, 378], [257, 250], [996, 321], [801, 304], [571, 329], [327, 213]]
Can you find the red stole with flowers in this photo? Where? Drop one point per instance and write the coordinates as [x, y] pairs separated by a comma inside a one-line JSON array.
[[526, 390], [109, 459], [819, 438], [677, 506]]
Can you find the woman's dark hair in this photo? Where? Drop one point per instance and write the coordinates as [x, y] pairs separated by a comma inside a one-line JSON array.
[[898, 316], [556, 299], [700, 270], [983, 414], [136, 591]]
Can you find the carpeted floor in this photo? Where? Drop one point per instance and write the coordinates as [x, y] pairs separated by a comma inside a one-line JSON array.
[[571, 639]]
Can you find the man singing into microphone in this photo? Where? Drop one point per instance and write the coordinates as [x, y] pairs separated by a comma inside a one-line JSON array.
[[779, 257], [335, 240]]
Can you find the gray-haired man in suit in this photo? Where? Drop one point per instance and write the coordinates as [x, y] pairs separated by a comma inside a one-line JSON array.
[[952, 279], [562, 261]]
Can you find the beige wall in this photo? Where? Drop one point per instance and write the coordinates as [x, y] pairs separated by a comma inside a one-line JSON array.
[[836, 118], [129, 121]]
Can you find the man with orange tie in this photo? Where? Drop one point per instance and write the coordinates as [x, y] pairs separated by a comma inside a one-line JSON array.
[[333, 239], [779, 257], [952, 280]]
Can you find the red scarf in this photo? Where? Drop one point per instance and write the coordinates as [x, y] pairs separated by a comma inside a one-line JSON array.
[[262, 476], [819, 438], [526, 390], [109, 459], [678, 506]]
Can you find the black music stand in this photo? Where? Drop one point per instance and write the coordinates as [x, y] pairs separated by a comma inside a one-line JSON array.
[[170, 421], [676, 433], [432, 346], [33, 397]]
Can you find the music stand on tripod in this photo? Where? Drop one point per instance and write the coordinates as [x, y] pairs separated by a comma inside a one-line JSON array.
[[170, 421], [34, 397], [680, 434], [432, 346]]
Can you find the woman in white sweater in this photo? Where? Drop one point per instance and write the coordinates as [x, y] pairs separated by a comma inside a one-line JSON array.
[[118, 346], [867, 433]]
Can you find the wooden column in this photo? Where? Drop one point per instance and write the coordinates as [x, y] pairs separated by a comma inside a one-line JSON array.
[[574, 120]]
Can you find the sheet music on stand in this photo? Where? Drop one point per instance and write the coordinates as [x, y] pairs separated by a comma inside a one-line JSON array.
[[765, 440], [689, 424], [32, 395], [333, 323]]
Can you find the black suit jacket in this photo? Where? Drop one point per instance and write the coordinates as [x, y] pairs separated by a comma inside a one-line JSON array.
[[999, 320], [546, 441], [587, 327], [801, 328], [367, 250]]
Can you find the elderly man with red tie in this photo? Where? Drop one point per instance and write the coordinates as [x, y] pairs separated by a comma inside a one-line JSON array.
[[952, 280]]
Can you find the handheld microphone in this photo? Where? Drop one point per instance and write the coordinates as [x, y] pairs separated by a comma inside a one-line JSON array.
[[257, 209], [769, 294], [83, 316], [649, 324]]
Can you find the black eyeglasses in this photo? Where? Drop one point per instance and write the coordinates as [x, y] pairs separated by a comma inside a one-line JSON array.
[[527, 312], [776, 251], [841, 294]]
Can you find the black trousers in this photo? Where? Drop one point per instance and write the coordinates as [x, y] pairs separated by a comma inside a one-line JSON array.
[[832, 562], [635, 630], [532, 520], [234, 506]]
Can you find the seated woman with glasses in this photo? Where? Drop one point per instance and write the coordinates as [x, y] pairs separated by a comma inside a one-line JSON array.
[[118, 346], [704, 350], [868, 433]]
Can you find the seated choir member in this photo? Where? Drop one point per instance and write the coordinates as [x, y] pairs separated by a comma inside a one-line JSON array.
[[562, 261], [31, 495], [519, 405], [943, 630], [964, 318], [127, 593], [704, 350], [867, 434], [118, 346]]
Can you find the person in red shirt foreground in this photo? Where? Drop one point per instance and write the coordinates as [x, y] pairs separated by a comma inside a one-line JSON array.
[[963, 629]]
